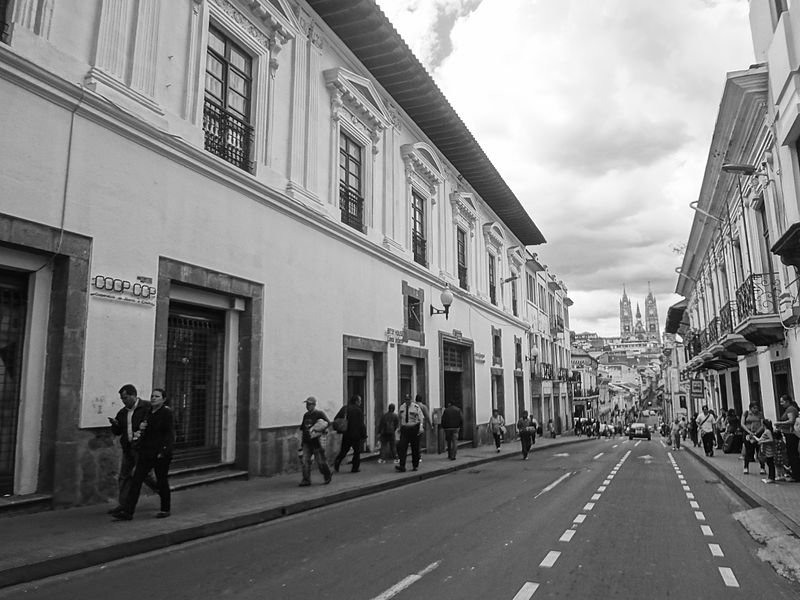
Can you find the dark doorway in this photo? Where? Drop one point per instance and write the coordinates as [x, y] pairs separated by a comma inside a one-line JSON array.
[[457, 384], [736, 389], [194, 382], [781, 382], [519, 391], [406, 381], [754, 383], [357, 378], [723, 392], [13, 309], [454, 394]]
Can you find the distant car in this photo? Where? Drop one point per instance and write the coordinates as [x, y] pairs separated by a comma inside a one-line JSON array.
[[639, 430]]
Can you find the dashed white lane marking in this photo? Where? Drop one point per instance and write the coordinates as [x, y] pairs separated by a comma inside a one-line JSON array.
[[589, 506], [690, 495], [526, 591], [715, 550], [728, 577], [406, 582], [694, 504], [552, 485], [606, 482], [699, 515], [615, 445], [637, 443], [567, 535], [550, 559], [596, 456], [686, 488], [602, 488], [706, 531], [595, 497], [579, 519]]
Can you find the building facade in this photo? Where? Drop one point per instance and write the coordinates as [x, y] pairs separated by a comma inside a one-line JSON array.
[[739, 273], [246, 203]]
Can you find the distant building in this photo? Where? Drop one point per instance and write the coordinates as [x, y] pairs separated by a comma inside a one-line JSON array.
[[646, 328]]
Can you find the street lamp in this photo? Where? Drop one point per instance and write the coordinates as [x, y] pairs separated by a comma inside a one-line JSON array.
[[447, 299]]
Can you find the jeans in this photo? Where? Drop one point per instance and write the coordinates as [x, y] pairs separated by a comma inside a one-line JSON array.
[[313, 449], [708, 442], [793, 454], [676, 440], [451, 438], [526, 439], [388, 447], [348, 443], [409, 436], [497, 439]]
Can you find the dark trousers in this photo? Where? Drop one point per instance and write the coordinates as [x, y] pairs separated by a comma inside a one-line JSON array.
[[497, 439], [793, 454], [127, 465], [144, 465], [388, 447], [693, 435], [313, 450], [409, 436], [527, 441], [750, 449], [451, 437], [347, 443], [770, 467], [708, 443]]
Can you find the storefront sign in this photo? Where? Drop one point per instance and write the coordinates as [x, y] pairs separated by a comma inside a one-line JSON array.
[[124, 290], [697, 388], [395, 336], [480, 357]]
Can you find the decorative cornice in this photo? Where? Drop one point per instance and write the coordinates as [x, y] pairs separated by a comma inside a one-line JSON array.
[[493, 236], [464, 210], [340, 83], [416, 164]]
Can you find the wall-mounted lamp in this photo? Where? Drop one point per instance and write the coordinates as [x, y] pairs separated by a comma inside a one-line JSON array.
[[743, 169], [682, 274], [534, 355], [446, 299], [508, 279], [693, 206]]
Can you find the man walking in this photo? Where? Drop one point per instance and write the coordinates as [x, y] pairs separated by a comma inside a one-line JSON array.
[[411, 417], [451, 423], [705, 427], [356, 433], [310, 442]]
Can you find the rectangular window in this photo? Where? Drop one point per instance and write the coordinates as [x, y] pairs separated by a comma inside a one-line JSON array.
[[351, 200], [492, 280], [5, 20], [226, 113], [541, 296], [517, 353], [418, 242], [461, 252], [413, 315], [514, 309], [531, 290], [497, 347]]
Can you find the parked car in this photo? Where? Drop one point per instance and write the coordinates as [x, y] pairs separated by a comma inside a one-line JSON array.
[[639, 430]]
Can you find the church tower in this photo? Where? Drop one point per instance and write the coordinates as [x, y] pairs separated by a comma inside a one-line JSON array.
[[651, 316], [625, 316]]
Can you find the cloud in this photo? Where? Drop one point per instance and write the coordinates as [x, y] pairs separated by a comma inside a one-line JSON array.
[[599, 116]]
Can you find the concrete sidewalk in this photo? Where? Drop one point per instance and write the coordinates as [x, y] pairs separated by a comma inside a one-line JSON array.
[[781, 499], [48, 543]]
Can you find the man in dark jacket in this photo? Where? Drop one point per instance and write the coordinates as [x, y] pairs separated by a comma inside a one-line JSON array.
[[126, 425], [451, 423], [355, 434]]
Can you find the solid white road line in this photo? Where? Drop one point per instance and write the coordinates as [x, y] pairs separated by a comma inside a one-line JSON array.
[[728, 577], [526, 591], [550, 559], [699, 515], [637, 443], [596, 456], [589, 506], [579, 519], [567, 535], [694, 504], [404, 583], [715, 550], [552, 485], [706, 531]]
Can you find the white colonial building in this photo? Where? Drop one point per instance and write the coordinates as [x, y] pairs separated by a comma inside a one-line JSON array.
[[247, 203]]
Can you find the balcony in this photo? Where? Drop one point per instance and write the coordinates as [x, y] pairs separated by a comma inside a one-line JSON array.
[[462, 277], [227, 136], [547, 370], [352, 207], [712, 332], [556, 325], [419, 246], [731, 341], [757, 304], [563, 374]]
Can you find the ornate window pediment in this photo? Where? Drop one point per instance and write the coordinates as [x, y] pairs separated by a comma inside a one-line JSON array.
[[494, 237], [464, 212], [353, 94], [516, 257], [422, 166]]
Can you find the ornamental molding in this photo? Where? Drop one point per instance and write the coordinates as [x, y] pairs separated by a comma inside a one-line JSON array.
[[493, 236], [360, 97], [422, 165], [464, 212], [280, 22], [516, 258]]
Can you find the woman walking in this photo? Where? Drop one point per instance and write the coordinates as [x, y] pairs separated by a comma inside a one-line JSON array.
[[497, 427], [753, 426]]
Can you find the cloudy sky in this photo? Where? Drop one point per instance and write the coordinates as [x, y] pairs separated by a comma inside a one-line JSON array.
[[599, 115]]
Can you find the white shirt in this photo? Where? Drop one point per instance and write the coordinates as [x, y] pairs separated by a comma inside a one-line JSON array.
[[130, 419]]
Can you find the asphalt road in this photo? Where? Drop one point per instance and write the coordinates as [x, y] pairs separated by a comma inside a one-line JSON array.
[[603, 519]]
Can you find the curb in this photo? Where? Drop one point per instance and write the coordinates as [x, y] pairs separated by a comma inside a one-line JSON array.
[[90, 558], [751, 498]]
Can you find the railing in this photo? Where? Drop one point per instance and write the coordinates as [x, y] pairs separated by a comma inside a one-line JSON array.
[[556, 324], [727, 318], [352, 207], [758, 296], [579, 393], [547, 371], [227, 136], [462, 277], [419, 246], [563, 373], [492, 294], [713, 330], [703, 338]]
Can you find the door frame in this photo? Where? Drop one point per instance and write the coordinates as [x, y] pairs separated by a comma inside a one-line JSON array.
[[467, 382]]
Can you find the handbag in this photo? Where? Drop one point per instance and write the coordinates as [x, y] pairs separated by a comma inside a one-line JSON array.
[[340, 424]]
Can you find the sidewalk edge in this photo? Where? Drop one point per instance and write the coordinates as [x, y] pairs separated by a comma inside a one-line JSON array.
[[82, 560]]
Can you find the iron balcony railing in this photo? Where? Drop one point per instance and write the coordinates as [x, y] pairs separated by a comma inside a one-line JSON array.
[[727, 319], [462, 277], [703, 337], [713, 331], [227, 136], [419, 246], [563, 373], [758, 296], [556, 324], [352, 207], [547, 371], [693, 344], [492, 294]]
